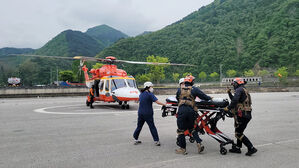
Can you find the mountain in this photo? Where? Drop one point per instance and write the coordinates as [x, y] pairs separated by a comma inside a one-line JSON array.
[[105, 34], [237, 34], [9, 50], [10, 61], [71, 43], [144, 33]]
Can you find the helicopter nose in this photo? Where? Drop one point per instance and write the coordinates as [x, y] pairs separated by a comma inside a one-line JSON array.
[[126, 93]]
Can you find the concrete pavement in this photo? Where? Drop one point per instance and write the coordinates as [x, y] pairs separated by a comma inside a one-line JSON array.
[[62, 132]]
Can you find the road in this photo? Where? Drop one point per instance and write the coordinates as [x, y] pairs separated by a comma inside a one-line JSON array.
[[62, 132]]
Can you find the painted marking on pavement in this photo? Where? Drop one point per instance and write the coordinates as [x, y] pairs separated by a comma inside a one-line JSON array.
[[156, 164], [46, 110]]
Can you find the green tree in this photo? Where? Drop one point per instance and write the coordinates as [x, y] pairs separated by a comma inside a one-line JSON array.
[[249, 73], [140, 79], [186, 73], [66, 75], [282, 74], [97, 66], [202, 76], [28, 73], [263, 73], [175, 76], [157, 71], [214, 76], [2, 76], [297, 73], [231, 73]]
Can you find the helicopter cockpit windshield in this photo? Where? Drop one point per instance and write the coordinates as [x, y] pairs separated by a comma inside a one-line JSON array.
[[120, 83], [131, 83]]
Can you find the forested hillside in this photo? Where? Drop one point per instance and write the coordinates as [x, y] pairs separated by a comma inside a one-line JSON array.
[[68, 43], [9, 50], [71, 43], [238, 34], [105, 34]]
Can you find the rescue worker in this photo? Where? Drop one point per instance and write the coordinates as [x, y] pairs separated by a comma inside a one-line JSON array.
[[146, 114], [91, 96], [187, 113], [241, 108], [181, 82]]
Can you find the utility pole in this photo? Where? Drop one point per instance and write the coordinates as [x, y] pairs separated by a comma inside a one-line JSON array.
[[57, 76], [51, 76], [221, 75]]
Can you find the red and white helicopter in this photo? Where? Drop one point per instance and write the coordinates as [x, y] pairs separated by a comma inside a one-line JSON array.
[[109, 83], [112, 84]]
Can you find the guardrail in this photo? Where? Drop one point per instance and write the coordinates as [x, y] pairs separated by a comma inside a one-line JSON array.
[[82, 91], [42, 91]]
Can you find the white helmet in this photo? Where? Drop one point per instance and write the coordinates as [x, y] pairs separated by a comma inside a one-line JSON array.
[[181, 80], [148, 84]]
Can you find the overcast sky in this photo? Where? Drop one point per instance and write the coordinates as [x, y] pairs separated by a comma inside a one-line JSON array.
[[32, 23]]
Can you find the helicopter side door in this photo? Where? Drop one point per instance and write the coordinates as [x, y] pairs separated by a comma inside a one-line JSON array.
[[101, 89], [105, 90]]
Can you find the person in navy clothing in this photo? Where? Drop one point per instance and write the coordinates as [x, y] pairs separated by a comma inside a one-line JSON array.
[[146, 113]]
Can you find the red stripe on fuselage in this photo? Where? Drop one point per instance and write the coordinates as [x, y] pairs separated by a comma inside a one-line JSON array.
[[110, 99]]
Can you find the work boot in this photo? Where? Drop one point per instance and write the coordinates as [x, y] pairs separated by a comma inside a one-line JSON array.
[[136, 142], [91, 106], [200, 147], [251, 151], [235, 149], [157, 143], [181, 151]]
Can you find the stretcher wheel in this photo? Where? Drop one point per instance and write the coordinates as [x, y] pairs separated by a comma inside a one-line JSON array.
[[127, 106], [191, 139], [223, 151]]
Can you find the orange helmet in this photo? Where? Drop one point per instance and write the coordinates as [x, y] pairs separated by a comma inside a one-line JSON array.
[[239, 81], [189, 78]]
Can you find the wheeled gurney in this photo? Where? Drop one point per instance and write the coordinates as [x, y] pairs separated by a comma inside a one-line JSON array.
[[209, 113]]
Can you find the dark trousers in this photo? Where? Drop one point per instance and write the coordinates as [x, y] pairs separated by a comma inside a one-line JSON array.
[[240, 127], [150, 122], [185, 121]]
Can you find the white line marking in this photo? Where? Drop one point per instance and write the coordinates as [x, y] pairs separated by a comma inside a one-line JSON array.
[[279, 142], [45, 111], [156, 164]]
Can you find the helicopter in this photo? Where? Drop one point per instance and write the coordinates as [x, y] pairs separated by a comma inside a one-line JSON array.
[[109, 83]]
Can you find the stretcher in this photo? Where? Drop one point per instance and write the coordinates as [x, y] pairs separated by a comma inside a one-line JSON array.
[[209, 113]]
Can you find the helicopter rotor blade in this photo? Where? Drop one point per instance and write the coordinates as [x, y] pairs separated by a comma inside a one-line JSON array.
[[152, 63], [90, 59], [83, 58], [41, 56]]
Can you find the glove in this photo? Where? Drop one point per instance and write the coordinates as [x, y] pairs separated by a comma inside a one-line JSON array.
[[226, 109], [228, 90], [228, 113]]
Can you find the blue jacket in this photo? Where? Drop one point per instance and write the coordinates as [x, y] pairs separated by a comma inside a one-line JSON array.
[[146, 100]]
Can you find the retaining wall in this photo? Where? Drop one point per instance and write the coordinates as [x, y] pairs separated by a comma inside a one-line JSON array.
[[34, 92], [48, 92]]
